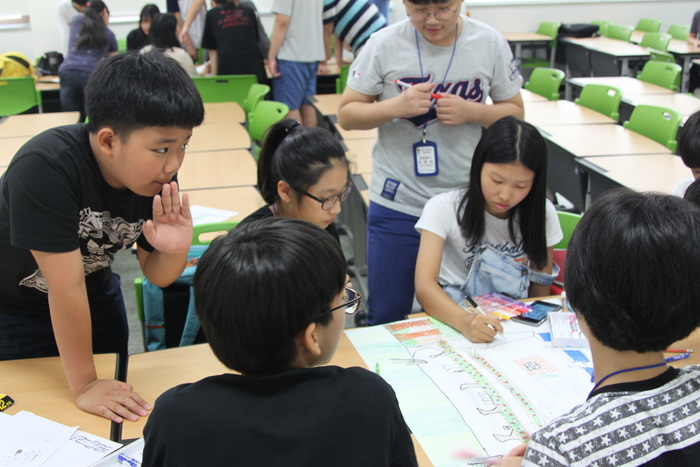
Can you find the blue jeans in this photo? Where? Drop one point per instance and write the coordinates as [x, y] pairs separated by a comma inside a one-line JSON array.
[[72, 92], [392, 249], [296, 83]]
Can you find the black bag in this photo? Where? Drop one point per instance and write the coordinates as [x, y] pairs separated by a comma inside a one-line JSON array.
[[578, 30], [49, 63]]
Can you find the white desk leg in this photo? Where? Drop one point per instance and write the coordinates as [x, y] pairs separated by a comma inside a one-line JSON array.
[[685, 78]]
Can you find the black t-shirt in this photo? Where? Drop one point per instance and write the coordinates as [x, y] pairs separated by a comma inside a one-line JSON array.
[[265, 212], [55, 199], [234, 35], [324, 416], [136, 39]]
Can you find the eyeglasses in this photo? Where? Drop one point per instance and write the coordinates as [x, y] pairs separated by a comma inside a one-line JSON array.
[[443, 14], [327, 203], [351, 305]]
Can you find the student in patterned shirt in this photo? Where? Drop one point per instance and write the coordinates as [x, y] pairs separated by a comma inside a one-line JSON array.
[[629, 276]]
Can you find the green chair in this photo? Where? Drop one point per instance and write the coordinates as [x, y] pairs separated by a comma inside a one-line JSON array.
[[659, 56], [601, 98], [658, 123], [550, 29], [342, 79], [266, 114], [620, 32], [256, 93], [679, 31], [121, 45], [603, 27], [663, 74], [18, 95], [568, 222], [545, 82], [213, 227], [224, 88], [648, 25], [656, 40]]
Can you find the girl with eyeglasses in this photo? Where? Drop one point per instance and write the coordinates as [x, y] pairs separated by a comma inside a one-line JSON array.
[[302, 174]]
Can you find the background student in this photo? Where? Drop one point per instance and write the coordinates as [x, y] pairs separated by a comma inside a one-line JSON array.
[[436, 51], [303, 174], [501, 222], [66, 10], [272, 300], [692, 194], [631, 268], [90, 41], [139, 37], [689, 150], [74, 196], [163, 36]]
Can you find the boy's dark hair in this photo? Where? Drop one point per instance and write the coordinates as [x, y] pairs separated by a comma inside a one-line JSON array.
[[297, 154], [257, 288], [692, 193], [631, 270], [134, 90], [80, 2], [689, 141], [93, 33], [162, 33], [507, 141]]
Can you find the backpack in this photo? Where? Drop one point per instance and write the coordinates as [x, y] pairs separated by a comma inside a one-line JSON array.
[[48, 64], [15, 65]]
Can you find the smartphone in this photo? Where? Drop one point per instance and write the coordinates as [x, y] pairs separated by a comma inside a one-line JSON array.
[[539, 313]]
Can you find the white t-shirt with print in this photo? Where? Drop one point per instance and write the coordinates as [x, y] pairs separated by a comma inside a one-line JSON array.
[[440, 217]]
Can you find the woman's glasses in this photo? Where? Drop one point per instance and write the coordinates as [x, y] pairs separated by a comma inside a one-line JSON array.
[[328, 203], [351, 305], [420, 16]]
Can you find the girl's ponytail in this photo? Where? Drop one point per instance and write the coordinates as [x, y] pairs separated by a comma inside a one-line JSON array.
[[93, 34], [267, 176]]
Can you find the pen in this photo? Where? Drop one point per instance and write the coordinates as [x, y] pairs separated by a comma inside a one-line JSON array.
[[681, 356], [478, 309], [406, 85], [130, 461], [679, 350]]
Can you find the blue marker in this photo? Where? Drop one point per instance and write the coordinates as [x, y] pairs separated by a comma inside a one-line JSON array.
[[130, 461], [674, 358]]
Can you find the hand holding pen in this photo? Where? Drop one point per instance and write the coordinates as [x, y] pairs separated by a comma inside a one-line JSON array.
[[483, 327], [415, 99]]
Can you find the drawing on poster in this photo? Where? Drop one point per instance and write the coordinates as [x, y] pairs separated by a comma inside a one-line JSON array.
[[486, 398]]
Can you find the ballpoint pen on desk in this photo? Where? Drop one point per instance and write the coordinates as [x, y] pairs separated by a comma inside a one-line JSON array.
[[130, 461], [403, 84], [679, 350], [675, 358]]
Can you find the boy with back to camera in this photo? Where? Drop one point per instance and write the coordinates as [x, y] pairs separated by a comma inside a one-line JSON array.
[[631, 271], [74, 196], [272, 301]]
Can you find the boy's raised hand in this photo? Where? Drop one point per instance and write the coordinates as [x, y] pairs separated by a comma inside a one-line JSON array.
[[113, 400], [170, 231]]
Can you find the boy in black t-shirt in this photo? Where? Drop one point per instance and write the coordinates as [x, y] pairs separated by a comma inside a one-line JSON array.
[[272, 301], [75, 195]]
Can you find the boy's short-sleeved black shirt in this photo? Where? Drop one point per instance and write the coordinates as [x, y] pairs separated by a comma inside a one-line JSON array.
[[53, 198]]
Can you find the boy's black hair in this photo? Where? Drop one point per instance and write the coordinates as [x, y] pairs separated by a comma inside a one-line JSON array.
[[162, 33], [257, 288], [93, 33], [689, 141], [631, 270], [692, 193], [297, 154], [135, 90], [508, 141]]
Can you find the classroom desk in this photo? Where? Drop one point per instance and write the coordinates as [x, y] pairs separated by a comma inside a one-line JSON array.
[[518, 39], [219, 137], [326, 104], [9, 148], [223, 112], [651, 172], [360, 154], [562, 112], [685, 53], [528, 96], [243, 199], [629, 86], [683, 103], [608, 57], [217, 169], [566, 142], [33, 124], [48, 83]]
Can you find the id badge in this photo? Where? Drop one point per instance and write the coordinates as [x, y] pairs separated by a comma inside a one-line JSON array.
[[425, 158]]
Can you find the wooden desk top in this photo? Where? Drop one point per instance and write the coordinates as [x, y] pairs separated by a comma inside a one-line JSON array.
[[218, 137], [33, 124], [9, 148], [243, 200], [223, 112], [609, 46], [217, 169], [327, 104], [601, 140], [39, 385], [360, 154], [358, 134], [563, 112], [683, 103], [679, 47], [637, 36], [628, 86], [48, 83], [529, 96], [527, 37], [652, 172]]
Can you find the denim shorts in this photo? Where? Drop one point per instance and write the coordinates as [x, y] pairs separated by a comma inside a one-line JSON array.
[[296, 83]]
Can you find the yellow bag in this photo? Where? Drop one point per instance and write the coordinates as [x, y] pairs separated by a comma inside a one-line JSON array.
[[15, 65]]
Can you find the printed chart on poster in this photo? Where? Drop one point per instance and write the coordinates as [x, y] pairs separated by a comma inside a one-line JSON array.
[[458, 396]]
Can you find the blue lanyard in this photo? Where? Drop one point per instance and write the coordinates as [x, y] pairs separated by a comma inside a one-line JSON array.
[[624, 371], [422, 76]]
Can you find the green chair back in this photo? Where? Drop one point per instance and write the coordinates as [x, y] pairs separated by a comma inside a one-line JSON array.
[[18, 95], [121, 45], [601, 98], [256, 93], [550, 29], [648, 25], [659, 56], [224, 88], [201, 229], [679, 31], [266, 114], [663, 74], [545, 82], [656, 40], [342, 79], [620, 32], [658, 123], [602, 27], [568, 222]]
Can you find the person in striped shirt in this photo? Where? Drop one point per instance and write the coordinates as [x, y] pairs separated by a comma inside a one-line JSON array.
[[352, 22]]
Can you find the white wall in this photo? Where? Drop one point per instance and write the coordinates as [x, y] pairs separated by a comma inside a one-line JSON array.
[[42, 35]]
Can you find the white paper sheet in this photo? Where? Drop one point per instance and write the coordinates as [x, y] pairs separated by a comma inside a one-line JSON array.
[[205, 215], [28, 441]]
